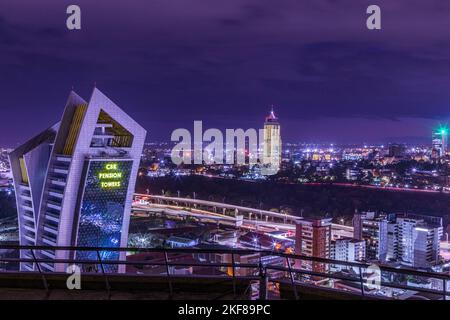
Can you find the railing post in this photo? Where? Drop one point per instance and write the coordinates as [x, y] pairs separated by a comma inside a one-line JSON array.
[[262, 283], [166, 259], [233, 266], [44, 280], [361, 281], [108, 288], [291, 276], [444, 288]]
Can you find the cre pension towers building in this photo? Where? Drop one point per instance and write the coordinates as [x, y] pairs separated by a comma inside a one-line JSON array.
[[75, 181]]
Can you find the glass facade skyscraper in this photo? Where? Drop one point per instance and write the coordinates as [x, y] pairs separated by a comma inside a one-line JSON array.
[[75, 181]]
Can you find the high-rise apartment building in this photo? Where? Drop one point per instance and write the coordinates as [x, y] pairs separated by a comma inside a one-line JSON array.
[[411, 240], [373, 229], [74, 182], [313, 239], [418, 242], [392, 241], [347, 249]]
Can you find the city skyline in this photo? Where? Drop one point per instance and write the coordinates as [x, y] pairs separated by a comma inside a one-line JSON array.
[[296, 150], [330, 79]]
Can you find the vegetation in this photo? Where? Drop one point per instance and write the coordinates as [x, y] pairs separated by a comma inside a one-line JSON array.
[[308, 200]]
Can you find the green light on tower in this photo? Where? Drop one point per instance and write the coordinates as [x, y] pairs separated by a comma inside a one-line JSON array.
[[442, 130]]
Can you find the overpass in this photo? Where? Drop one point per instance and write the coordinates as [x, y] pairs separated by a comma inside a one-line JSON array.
[[223, 213], [223, 209]]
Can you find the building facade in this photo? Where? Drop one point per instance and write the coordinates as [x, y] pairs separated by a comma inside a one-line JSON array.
[[313, 239], [439, 142], [75, 181], [418, 242], [272, 142], [407, 239], [348, 249], [373, 229]]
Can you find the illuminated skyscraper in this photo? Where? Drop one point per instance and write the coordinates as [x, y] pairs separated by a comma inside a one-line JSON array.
[[439, 141], [75, 181], [272, 142]]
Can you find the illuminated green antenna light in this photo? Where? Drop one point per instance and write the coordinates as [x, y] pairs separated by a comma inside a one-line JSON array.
[[442, 130]]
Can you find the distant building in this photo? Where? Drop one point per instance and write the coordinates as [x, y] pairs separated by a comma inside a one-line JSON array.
[[313, 239], [348, 249], [439, 142], [397, 150], [392, 241], [408, 239], [373, 230], [352, 174], [418, 242], [74, 181], [272, 142]]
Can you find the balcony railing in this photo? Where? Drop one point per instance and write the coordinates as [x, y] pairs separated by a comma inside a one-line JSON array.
[[274, 267]]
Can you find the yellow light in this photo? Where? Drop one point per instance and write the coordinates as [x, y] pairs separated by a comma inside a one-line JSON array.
[[110, 175], [111, 166], [110, 184], [113, 178]]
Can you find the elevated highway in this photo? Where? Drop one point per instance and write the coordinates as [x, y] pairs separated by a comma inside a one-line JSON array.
[[223, 213]]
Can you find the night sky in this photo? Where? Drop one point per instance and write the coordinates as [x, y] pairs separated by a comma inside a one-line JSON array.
[[169, 62]]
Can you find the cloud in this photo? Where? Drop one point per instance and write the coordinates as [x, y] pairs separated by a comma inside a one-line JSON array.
[[185, 59]]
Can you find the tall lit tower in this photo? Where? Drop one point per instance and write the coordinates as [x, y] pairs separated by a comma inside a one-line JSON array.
[[272, 142], [439, 141], [74, 182]]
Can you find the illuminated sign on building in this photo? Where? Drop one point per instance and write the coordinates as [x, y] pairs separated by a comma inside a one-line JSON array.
[[111, 177]]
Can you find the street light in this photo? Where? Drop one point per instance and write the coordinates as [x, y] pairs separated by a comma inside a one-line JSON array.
[[255, 241]]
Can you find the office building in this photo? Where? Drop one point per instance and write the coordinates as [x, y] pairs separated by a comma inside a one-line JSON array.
[[75, 181], [272, 142], [439, 142]]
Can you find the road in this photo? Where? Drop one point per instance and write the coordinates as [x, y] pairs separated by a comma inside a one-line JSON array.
[[261, 225]]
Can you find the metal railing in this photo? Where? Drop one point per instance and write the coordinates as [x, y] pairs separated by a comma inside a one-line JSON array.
[[240, 264]]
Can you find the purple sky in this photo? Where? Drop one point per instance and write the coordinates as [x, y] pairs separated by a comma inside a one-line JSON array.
[[169, 62]]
